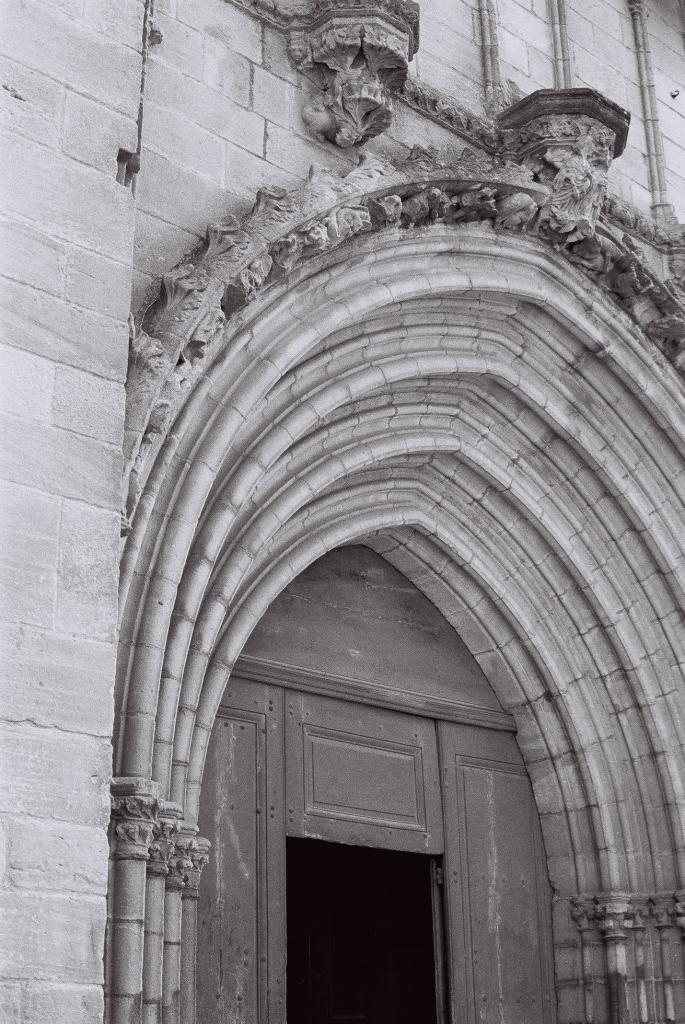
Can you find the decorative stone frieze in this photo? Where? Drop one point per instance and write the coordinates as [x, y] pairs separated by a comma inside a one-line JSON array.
[[361, 52]]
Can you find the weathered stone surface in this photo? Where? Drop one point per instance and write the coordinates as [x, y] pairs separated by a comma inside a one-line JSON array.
[[51, 938], [88, 405], [47, 677], [60, 462], [28, 383], [90, 209], [62, 1002], [65, 332], [49, 773], [87, 586], [29, 533], [27, 254], [56, 856]]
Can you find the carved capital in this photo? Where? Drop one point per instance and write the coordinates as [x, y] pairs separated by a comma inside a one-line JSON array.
[[135, 805], [361, 51], [199, 856], [180, 860], [613, 915], [568, 138], [162, 846], [664, 911], [679, 909], [583, 913]]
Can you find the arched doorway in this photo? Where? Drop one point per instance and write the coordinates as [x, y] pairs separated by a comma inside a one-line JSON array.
[[357, 716], [464, 401]]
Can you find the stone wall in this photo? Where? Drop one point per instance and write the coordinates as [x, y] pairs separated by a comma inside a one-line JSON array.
[[70, 90]]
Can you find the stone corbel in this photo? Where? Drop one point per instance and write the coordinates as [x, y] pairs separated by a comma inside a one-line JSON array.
[[361, 51]]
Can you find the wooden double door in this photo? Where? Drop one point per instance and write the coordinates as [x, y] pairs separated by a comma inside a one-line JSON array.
[[368, 865]]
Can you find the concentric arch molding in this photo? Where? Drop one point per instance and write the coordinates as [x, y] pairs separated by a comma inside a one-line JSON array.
[[184, 329]]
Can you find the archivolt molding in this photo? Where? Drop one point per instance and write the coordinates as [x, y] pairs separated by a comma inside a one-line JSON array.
[[471, 371], [513, 347], [536, 196], [463, 403]]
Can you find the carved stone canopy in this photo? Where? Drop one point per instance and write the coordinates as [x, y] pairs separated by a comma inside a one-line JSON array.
[[571, 104], [362, 51]]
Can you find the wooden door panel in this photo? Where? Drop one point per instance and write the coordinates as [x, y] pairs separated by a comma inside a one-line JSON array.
[[241, 920], [361, 775], [498, 898], [358, 779]]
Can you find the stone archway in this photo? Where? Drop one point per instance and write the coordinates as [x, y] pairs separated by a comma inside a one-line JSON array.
[[463, 398]]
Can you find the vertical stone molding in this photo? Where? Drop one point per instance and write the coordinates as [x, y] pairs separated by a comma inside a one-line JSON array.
[[495, 93], [563, 75], [583, 913], [656, 163], [568, 139], [134, 811], [199, 856], [665, 914], [161, 849], [639, 923], [180, 863], [361, 52]]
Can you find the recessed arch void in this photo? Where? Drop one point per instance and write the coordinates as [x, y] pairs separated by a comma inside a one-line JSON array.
[[466, 404]]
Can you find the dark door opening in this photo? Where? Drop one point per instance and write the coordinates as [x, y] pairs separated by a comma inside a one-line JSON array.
[[360, 935]]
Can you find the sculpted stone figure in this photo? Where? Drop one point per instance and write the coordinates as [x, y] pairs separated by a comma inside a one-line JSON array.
[[568, 139]]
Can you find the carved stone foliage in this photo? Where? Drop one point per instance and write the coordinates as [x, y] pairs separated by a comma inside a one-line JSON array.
[[199, 857], [162, 846], [361, 52], [553, 189]]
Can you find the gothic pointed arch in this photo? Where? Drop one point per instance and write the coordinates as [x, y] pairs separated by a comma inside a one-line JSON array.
[[427, 360]]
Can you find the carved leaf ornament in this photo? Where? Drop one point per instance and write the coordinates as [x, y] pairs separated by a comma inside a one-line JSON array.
[[554, 190], [361, 52]]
